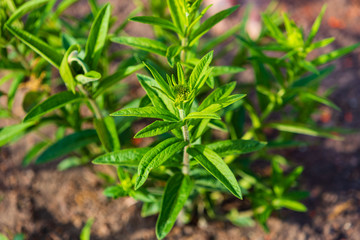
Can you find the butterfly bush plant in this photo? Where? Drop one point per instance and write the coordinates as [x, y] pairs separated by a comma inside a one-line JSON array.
[[209, 129]]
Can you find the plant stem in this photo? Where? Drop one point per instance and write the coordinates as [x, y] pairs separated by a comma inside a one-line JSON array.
[[183, 52], [185, 131], [95, 108]]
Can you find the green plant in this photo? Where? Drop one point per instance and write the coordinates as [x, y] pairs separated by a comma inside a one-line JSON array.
[[187, 168]]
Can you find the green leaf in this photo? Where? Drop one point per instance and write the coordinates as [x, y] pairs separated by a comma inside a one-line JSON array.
[[172, 52], [157, 128], [156, 21], [321, 43], [31, 99], [54, 102], [325, 58], [149, 209], [97, 36], [8, 133], [88, 77], [115, 192], [222, 70], [217, 167], [223, 103], [69, 162], [302, 129], [217, 94], [65, 69], [235, 147], [319, 99], [209, 23], [200, 70], [315, 27], [109, 81], [157, 156], [3, 237], [32, 153], [24, 9], [176, 193], [202, 115], [67, 145], [86, 231], [146, 112], [126, 157], [177, 12], [151, 92], [160, 80], [13, 89], [290, 204], [39, 46], [142, 43], [312, 77], [107, 133]]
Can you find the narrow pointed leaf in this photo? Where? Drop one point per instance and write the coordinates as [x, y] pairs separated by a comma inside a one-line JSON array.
[[176, 193], [315, 27], [217, 94], [39, 46], [155, 21], [217, 167], [320, 99], [200, 70], [157, 128], [325, 58], [222, 103], [97, 36], [67, 145], [24, 9], [177, 12], [65, 69], [8, 133], [142, 43], [202, 115], [126, 157], [107, 133], [54, 102], [159, 79], [222, 70], [209, 23], [157, 156], [146, 112], [235, 147]]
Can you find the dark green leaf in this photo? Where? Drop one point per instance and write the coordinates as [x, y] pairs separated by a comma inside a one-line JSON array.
[[235, 147], [107, 133], [142, 43], [222, 70], [319, 99], [176, 193], [146, 112], [54, 102], [160, 80], [156, 21], [67, 145], [32, 153]]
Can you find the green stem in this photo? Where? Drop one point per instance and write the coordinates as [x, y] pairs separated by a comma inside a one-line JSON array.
[[186, 157], [95, 108]]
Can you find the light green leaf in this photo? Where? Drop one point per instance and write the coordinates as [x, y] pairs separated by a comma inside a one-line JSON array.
[[160, 80], [67, 145], [321, 43], [315, 27], [142, 43], [320, 99], [107, 133], [209, 23], [8, 133], [86, 231], [172, 52], [157, 128], [235, 147], [202, 115], [156, 21], [97, 36], [222, 70], [157, 156], [200, 70], [88, 77], [39, 46], [176, 193], [54, 102], [217, 94], [146, 112], [3, 237], [24, 9], [126, 157], [325, 58], [223, 103], [109, 81], [32, 153], [177, 12], [290, 204], [217, 167], [302, 129], [151, 91], [65, 69], [115, 192]]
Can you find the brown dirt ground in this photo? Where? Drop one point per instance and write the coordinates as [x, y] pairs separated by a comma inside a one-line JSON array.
[[44, 203]]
